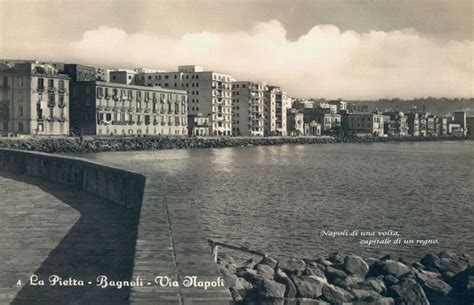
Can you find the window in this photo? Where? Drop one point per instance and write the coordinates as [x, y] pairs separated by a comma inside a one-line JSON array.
[[50, 83], [20, 111], [20, 127], [40, 83]]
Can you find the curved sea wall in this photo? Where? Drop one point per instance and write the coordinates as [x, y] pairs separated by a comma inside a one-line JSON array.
[[120, 186], [97, 144], [442, 279]]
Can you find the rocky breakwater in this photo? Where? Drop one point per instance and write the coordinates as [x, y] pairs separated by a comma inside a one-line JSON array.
[[442, 279], [101, 144]]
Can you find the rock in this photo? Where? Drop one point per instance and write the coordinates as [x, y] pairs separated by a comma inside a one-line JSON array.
[[334, 294], [349, 282], [365, 295], [390, 280], [335, 275], [306, 301], [336, 258], [270, 301], [265, 271], [446, 263], [224, 257], [381, 301], [355, 265], [250, 275], [408, 292], [292, 266], [436, 289], [271, 289], [395, 268], [309, 286], [371, 284], [269, 262], [314, 270], [248, 264], [324, 262], [281, 277]]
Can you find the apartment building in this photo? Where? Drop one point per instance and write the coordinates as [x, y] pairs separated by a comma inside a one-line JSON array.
[[33, 99], [275, 111], [395, 124], [413, 122], [366, 124], [295, 122], [248, 103], [103, 108], [209, 93]]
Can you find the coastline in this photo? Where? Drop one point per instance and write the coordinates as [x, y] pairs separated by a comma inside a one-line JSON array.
[[110, 144]]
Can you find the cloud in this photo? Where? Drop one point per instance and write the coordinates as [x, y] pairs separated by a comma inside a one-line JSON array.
[[324, 62]]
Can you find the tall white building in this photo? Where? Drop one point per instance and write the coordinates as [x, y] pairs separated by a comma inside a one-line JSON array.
[[209, 93], [248, 104], [275, 111]]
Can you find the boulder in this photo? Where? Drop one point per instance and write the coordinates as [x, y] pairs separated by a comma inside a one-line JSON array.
[[270, 289], [355, 265], [408, 292], [371, 284], [314, 270], [350, 282], [309, 286], [267, 260], [390, 280], [250, 275], [395, 268], [306, 301], [381, 301], [292, 266], [265, 271], [281, 277], [334, 294], [335, 275], [447, 263], [365, 295], [336, 258]]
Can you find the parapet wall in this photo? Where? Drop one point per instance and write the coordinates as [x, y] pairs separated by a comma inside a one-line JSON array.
[[120, 186]]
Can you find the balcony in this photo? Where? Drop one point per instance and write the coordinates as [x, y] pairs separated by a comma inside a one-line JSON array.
[[40, 89], [52, 89], [163, 123], [155, 123], [51, 103], [139, 122], [170, 123], [62, 105], [147, 109]]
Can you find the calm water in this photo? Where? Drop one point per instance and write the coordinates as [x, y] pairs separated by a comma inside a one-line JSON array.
[[279, 198]]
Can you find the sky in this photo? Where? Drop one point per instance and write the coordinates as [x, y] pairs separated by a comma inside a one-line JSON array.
[[349, 49]]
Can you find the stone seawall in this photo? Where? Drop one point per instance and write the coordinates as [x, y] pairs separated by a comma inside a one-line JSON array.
[[438, 279], [98, 144], [120, 186]]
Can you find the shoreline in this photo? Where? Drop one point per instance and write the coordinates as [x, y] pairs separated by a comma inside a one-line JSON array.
[[436, 279], [110, 144]]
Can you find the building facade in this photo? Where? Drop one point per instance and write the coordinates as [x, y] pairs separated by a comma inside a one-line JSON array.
[[248, 103], [275, 111], [209, 93], [102, 108], [295, 123], [366, 124], [33, 100]]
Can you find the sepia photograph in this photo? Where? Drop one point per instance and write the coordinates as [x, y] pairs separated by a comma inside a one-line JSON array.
[[236, 152]]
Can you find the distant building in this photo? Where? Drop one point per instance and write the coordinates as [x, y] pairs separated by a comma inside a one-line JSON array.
[[329, 120], [395, 124], [209, 92], [312, 129], [123, 76], [366, 124], [248, 104], [340, 105], [101, 108], [295, 123], [33, 100], [441, 125], [470, 126], [80, 73], [431, 125], [413, 122], [302, 104], [460, 118], [357, 108]]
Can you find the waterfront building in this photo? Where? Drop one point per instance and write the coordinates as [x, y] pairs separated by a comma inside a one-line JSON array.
[[275, 111], [248, 103], [102, 108], [395, 124], [441, 126], [460, 118], [33, 99], [455, 129], [431, 125], [423, 123], [413, 122], [209, 93], [302, 104], [470, 126], [198, 125], [365, 124], [295, 123], [312, 129], [329, 120]]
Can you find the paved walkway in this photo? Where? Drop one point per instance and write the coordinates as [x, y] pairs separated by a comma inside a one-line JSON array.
[[46, 229]]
